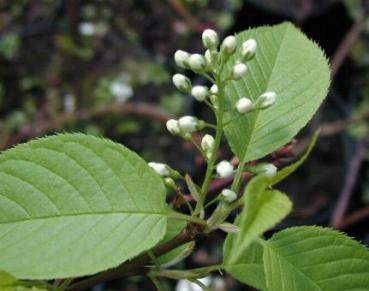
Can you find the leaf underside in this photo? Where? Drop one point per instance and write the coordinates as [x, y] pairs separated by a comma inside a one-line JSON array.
[[293, 66], [73, 205]]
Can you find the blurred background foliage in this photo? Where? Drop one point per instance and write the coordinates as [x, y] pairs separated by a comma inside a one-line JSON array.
[[104, 68]]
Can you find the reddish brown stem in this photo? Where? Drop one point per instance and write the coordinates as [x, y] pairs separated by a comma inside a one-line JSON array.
[[350, 181], [138, 265], [346, 44]]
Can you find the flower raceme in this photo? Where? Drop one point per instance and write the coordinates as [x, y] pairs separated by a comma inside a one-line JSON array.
[[210, 65]]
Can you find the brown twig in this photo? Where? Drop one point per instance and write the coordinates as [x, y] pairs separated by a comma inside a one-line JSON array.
[[350, 181], [187, 16], [335, 127], [40, 128], [355, 217], [346, 44], [138, 265]]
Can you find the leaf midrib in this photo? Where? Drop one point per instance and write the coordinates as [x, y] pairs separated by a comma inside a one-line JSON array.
[[257, 113], [87, 214]]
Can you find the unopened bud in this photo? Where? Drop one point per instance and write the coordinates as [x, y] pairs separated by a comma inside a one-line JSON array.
[[188, 124], [267, 170], [169, 182], [210, 39], [182, 83], [244, 105], [214, 89], [173, 127], [161, 169], [267, 99], [211, 58], [200, 93], [229, 195], [229, 45], [224, 169], [181, 58], [248, 49], [207, 143], [239, 71], [197, 62]]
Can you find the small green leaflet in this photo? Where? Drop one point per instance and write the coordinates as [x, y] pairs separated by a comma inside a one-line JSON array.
[[249, 268], [312, 258], [73, 205], [293, 66], [263, 209]]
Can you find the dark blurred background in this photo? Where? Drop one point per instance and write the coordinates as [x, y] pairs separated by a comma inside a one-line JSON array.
[[104, 68]]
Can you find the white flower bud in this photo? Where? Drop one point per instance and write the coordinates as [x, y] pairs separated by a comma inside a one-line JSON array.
[[181, 58], [229, 195], [211, 58], [214, 101], [248, 49], [267, 99], [224, 169], [239, 71], [207, 143], [244, 105], [197, 62], [267, 170], [188, 124], [173, 126], [161, 169], [169, 182], [182, 83], [214, 89], [200, 93], [229, 45], [210, 39]]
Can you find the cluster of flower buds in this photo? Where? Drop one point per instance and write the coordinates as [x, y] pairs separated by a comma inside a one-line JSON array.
[[185, 126], [215, 53]]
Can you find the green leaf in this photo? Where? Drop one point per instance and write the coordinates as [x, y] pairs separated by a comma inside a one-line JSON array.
[[73, 205], [288, 63], [315, 259], [263, 209], [249, 268]]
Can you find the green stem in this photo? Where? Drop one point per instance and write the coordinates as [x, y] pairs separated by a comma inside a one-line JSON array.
[[197, 147], [200, 284], [156, 283], [63, 285], [237, 178], [214, 152]]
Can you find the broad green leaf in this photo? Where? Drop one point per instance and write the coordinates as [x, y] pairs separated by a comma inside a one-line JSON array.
[[288, 63], [263, 209], [174, 227], [73, 205], [315, 259], [249, 268]]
